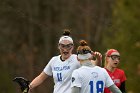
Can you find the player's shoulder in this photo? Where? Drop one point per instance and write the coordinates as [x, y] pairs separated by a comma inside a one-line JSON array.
[[119, 70], [103, 70], [74, 56], [76, 71], [98, 67], [80, 69], [54, 58]]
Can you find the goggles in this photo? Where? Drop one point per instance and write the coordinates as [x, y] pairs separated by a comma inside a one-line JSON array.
[[63, 46], [115, 57], [83, 51]]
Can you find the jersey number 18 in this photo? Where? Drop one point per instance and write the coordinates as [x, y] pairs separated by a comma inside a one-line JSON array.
[[99, 86]]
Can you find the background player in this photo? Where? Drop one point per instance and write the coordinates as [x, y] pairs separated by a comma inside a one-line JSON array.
[[112, 60]]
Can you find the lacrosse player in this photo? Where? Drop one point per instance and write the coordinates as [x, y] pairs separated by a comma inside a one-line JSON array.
[[112, 60], [90, 78], [61, 66]]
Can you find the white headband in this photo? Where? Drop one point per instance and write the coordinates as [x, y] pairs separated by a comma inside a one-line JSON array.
[[84, 56], [65, 38]]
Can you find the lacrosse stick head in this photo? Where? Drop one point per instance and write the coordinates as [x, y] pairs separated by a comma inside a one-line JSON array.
[[23, 83]]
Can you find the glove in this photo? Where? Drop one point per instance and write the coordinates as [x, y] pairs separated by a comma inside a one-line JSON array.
[[23, 83]]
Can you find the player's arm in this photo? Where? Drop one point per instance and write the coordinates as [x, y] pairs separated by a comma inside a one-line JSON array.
[[122, 87], [38, 80], [75, 90], [114, 89], [75, 84]]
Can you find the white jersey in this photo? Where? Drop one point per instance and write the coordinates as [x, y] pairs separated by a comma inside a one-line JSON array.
[[91, 79], [61, 72]]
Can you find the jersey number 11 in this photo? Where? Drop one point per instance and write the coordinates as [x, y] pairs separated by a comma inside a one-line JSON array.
[[59, 76]]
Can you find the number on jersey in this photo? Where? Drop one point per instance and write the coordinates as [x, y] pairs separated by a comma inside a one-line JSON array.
[[59, 76], [99, 86]]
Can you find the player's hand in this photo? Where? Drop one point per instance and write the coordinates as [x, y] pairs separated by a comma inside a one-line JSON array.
[[30, 89], [98, 58], [98, 55]]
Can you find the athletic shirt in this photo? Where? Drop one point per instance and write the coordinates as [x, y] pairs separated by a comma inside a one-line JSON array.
[[61, 72], [118, 76], [91, 79]]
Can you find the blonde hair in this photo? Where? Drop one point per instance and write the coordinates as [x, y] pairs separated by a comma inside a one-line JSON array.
[[106, 62]]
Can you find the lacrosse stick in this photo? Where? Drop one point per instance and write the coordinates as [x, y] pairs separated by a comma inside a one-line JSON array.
[[23, 83]]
